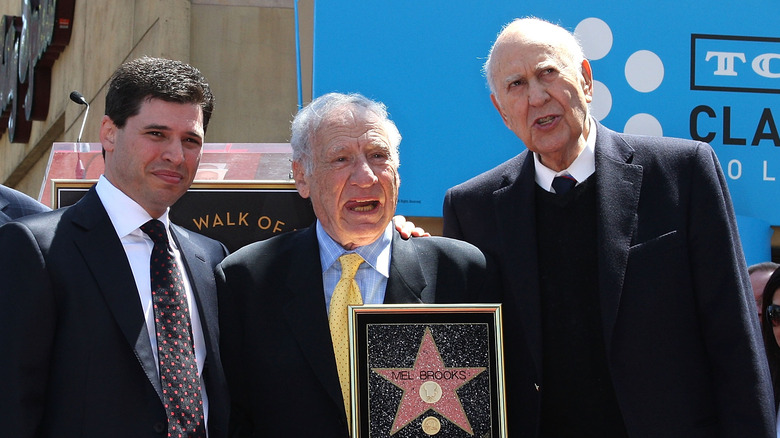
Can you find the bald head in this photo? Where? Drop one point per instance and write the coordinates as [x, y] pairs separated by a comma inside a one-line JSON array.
[[534, 31], [542, 87]]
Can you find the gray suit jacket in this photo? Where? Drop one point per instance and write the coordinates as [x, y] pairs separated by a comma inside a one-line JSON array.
[[679, 324], [276, 343], [76, 356], [15, 204]]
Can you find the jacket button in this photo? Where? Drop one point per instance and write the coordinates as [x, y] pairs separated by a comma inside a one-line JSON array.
[[159, 427]]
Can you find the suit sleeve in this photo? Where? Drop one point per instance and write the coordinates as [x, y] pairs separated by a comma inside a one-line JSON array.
[[725, 305], [27, 325], [231, 341], [451, 227]]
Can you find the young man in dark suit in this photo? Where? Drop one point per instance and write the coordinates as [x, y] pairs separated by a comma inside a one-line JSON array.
[[88, 323], [278, 298], [626, 297]]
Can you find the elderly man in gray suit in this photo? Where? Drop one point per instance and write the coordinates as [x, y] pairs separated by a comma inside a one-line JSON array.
[[281, 299]]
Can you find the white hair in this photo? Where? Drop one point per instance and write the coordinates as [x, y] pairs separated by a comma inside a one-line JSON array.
[[308, 120]]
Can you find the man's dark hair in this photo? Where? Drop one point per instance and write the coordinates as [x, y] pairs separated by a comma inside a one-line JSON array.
[[156, 78]]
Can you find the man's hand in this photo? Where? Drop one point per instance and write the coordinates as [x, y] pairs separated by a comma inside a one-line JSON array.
[[407, 229]]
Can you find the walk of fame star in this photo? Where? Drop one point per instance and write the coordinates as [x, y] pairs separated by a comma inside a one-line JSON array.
[[429, 385]]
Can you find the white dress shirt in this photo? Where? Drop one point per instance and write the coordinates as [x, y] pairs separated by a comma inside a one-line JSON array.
[[581, 168], [127, 217], [778, 423]]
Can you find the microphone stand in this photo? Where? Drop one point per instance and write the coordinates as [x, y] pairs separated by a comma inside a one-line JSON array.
[[77, 97]]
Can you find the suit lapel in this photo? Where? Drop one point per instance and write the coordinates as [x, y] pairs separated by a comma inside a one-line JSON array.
[[3, 205], [516, 206], [105, 258], [306, 314], [201, 278], [406, 281], [618, 183]]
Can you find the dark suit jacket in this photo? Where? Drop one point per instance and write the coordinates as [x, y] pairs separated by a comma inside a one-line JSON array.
[[15, 204], [76, 359], [683, 344], [276, 343]]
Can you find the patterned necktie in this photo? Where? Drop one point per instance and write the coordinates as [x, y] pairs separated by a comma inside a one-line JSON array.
[[563, 183], [345, 294], [175, 347]]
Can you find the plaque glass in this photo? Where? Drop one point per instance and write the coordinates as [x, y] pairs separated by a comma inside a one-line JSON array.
[[427, 370]]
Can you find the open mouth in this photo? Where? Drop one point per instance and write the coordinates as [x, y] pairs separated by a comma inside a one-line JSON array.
[[545, 120], [362, 206]]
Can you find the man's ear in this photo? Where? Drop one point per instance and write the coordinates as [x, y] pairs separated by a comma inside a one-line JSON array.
[[108, 133], [587, 76], [498, 108], [301, 183]]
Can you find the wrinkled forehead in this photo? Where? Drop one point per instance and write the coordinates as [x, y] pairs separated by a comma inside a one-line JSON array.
[[350, 122], [348, 115]]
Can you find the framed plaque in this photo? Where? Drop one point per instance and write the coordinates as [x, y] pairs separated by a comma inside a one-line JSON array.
[[427, 370]]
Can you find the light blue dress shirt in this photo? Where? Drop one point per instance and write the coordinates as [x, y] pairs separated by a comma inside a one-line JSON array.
[[372, 274]]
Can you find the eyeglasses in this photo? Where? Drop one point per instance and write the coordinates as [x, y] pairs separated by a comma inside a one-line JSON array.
[[773, 314]]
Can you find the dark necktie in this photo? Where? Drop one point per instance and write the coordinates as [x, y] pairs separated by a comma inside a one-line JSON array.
[[563, 183], [175, 347]]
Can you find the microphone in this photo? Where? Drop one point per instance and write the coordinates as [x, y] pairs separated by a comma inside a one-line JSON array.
[[79, 99]]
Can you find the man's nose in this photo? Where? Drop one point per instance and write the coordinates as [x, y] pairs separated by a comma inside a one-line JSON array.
[[362, 174], [537, 94], [174, 151]]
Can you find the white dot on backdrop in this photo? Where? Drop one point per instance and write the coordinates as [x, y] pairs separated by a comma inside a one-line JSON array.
[[602, 101], [595, 36], [644, 71], [644, 124]]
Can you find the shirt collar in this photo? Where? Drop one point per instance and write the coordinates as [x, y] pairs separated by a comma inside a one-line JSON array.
[[376, 253], [126, 215], [582, 167]]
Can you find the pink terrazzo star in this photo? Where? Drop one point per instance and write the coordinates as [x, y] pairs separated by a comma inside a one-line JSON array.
[[441, 397]]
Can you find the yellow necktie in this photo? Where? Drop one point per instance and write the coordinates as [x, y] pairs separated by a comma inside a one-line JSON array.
[[345, 294]]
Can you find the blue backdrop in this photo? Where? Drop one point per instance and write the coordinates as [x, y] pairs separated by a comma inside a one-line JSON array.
[[704, 69]]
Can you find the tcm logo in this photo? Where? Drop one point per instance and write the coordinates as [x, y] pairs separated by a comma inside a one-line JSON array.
[[735, 63]]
